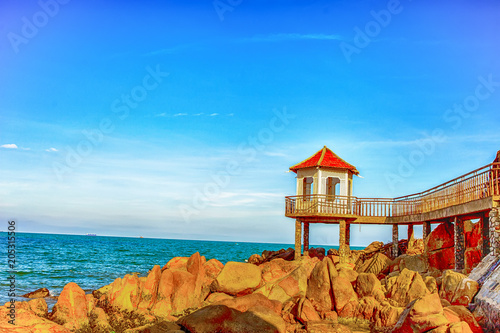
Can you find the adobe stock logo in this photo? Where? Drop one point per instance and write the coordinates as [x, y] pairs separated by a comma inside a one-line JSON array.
[[31, 26]]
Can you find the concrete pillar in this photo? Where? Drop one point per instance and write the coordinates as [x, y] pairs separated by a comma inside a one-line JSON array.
[[348, 234], [410, 231], [494, 232], [485, 232], [343, 247], [426, 230], [306, 238], [459, 244], [298, 245], [395, 240]]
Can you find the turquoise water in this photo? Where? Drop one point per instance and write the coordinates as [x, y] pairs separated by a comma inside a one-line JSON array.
[[52, 261]]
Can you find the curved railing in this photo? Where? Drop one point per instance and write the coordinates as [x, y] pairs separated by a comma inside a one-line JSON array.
[[478, 184]]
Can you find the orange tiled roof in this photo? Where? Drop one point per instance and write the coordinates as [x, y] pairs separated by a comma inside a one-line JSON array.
[[325, 158]]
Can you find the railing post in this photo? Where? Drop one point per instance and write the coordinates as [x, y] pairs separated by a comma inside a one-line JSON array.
[[298, 245]]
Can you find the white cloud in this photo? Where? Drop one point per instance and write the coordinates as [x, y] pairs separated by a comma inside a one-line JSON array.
[[9, 146], [180, 114], [163, 114], [230, 114], [51, 150], [198, 114], [214, 114]]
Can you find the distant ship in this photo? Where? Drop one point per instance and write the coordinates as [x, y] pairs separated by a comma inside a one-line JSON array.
[[91, 234]]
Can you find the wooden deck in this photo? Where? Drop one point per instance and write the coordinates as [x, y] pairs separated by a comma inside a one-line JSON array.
[[471, 193]]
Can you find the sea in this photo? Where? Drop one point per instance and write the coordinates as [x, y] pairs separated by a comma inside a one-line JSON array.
[[53, 260]]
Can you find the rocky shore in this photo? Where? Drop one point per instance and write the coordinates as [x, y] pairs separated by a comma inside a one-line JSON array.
[[414, 292]]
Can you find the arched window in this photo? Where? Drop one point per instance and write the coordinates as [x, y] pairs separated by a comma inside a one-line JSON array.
[[332, 186]]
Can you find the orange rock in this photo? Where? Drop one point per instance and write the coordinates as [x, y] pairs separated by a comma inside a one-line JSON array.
[[150, 289], [247, 302], [387, 315], [163, 304], [460, 327], [276, 269], [376, 264], [367, 284], [422, 314], [345, 297], [213, 268], [406, 287], [367, 308], [465, 315], [458, 288], [443, 236], [451, 316], [27, 321], [255, 259], [101, 321], [39, 307], [125, 293], [217, 297], [71, 308], [238, 278], [306, 311], [319, 291], [442, 259], [184, 292], [178, 263], [291, 286]]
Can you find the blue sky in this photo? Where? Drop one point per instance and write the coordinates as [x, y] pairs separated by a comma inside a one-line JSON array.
[[179, 119]]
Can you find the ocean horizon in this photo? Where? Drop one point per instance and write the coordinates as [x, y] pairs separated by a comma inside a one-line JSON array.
[[51, 261]]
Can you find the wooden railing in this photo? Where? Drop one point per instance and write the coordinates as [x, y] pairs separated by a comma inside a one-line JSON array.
[[478, 184]]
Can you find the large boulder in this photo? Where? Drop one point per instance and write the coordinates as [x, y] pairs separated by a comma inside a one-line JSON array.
[[440, 247], [406, 287], [415, 263], [291, 286], [163, 304], [306, 311], [221, 318], [442, 237], [71, 308], [276, 269], [442, 259], [319, 291], [176, 263], [237, 278], [367, 284], [422, 315], [125, 293], [457, 288], [150, 289], [376, 264], [465, 315], [346, 299]]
